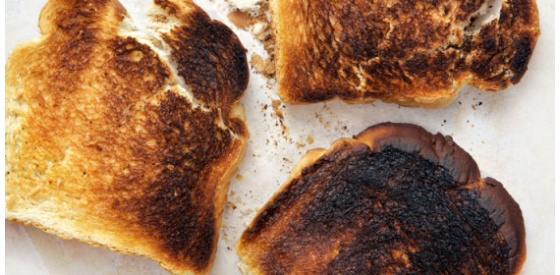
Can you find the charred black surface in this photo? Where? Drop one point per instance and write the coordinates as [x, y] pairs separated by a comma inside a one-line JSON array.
[[210, 58], [520, 61], [177, 207], [398, 50], [392, 212]]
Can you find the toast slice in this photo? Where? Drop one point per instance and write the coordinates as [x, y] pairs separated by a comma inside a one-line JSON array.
[[417, 54], [395, 199], [123, 138]]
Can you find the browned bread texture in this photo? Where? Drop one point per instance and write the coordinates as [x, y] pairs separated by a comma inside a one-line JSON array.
[[124, 139], [395, 199], [414, 53]]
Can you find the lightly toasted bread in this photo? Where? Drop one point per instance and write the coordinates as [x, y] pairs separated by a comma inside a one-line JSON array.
[[395, 199], [414, 53], [126, 139]]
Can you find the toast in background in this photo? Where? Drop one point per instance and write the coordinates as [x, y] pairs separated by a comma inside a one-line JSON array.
[[417, 54], [394, 199]]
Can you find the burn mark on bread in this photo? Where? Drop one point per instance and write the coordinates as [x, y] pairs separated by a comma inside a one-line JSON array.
[[398, 51], [177, 204], [114, 137], [394, 200], [523, 50], [506, 213], [209, 57], [73, 25], [134, 73], [138, 65]]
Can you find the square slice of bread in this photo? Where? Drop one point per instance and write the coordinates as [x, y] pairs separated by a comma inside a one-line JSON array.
[[414, 53], [126, 137]]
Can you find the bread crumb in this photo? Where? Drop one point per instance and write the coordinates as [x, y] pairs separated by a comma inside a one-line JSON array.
[[263, 66], [238, 18], [239, 177], [226, 238], [276, 103], [277, 111], [300, 144], [238, 199], [261, 29], [474, 107], [246, 210], [309, 139], [232, 205]]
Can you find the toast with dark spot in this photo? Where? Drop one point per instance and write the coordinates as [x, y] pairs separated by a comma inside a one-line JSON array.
[[395, 199], [126, 139], [414, 53]]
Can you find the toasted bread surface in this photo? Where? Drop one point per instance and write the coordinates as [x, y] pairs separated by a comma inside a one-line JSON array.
[[417, 54], [115, 138], [395, 199]]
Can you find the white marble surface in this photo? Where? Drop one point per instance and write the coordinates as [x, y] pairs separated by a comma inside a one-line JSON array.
[[511, 136]]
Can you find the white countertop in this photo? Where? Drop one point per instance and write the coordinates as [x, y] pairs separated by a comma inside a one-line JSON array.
[[511, 136]]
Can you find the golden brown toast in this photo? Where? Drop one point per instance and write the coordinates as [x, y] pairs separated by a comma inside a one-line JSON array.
[[395, 199], [125, 139], [414, 53]]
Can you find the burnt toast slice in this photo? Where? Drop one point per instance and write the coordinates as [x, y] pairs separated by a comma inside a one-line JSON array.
[[395, 199], [416, 54], [122, 138]]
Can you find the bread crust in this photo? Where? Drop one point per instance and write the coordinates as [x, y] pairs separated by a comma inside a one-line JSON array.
[[104, 143], [258, 238], [412, 54], [507, 213]]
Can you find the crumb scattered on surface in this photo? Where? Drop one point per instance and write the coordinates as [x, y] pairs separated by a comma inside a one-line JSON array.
[[246, 210], [261, 27], [257, 22], [309, 139], [239, 19], [261, 30], [226, 238], [231, 205], [276, 106], [276, 103], [300, 144], [263, 66], [473, 107], [320, 117], [239, 177]]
